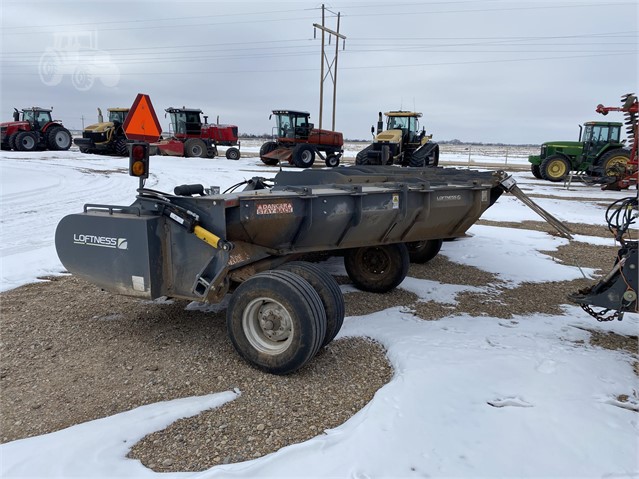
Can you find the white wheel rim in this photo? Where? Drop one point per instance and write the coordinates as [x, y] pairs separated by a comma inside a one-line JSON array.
[[268, 326]]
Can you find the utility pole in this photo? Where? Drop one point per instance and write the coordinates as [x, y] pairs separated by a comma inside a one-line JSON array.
[[331, 65]]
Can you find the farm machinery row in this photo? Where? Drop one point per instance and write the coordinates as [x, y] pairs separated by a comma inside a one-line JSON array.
[[189, 135]]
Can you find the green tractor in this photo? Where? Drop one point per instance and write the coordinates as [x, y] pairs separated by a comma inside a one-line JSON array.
[[599, 152]]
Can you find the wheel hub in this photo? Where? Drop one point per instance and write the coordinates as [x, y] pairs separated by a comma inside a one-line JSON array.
[[274, 325]]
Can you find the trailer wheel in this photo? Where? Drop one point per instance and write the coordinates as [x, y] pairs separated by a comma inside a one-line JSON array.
[[194, 147], [536, 171], [233, 154], [59, 138], [26, 141], [276, 321], [554, 168], [120, 147], [332, 161], [329, 292], [423, 251], [303, 156], [377, 269], [265, 149]]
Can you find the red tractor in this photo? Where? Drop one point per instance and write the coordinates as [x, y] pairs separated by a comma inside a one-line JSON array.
[[192, 138], [34, 130], [627, 173], [298, 142]]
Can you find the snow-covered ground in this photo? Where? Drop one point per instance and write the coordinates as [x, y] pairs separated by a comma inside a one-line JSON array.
[[470, 397]]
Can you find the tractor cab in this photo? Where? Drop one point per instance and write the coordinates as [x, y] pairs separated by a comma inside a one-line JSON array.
[[292, 125], [118, 115], [407, 122], [185, 122], [596, 136], [37, 117]]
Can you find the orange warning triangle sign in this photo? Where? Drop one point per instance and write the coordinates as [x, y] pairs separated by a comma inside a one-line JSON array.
[[142, 122]]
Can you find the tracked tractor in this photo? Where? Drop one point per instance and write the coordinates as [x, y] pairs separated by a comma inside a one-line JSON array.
[[193, 138], [297, 142], [33, 129], [598, 152], [402, 143], [105, 137]]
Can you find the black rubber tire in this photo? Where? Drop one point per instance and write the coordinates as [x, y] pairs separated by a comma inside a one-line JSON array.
[[611, 158], [267, 148], [12, 141], [59, 138], [377, 269], [195, 148], [303, 156], [26, 141], [329, 292], [120, 147], [425, 155], [261, 297], [554, 168], [536, 171], [233, 154], [332, 161], [362, 157], [423, 251]]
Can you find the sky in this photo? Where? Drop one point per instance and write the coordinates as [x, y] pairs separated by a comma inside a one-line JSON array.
[[470, 397], [500, 71]]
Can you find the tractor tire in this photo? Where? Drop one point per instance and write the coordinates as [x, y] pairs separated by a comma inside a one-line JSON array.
[[614, 162], [195, 148], [423, 251], [265, 149], [13, 141], [59, 138], [377, 269], [425, 155], [332, 161], [362, 157], [303, 156], [233, 154], [554, 168], [26, 141], [276, 321], [536, 171], [329, 292], [120, 147]]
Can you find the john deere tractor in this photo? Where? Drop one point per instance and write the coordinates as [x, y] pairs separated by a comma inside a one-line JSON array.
[[105, 137], [599, 152], [401, 144]]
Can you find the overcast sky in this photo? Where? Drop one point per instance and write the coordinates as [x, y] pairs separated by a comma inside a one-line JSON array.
[[485, 71]]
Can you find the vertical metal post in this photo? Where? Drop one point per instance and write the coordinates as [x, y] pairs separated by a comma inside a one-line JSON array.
[[321, 106], [332, 67]]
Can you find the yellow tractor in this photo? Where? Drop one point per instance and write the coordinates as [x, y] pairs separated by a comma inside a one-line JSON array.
[[402, 143], [105, 137]]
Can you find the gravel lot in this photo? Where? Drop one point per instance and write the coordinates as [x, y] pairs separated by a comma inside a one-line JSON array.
[[72, 353]]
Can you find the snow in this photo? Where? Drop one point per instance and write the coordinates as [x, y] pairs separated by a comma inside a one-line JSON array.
[[470, 396]]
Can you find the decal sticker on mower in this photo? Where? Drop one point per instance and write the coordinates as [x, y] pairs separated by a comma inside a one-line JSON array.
[[102, 241]]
